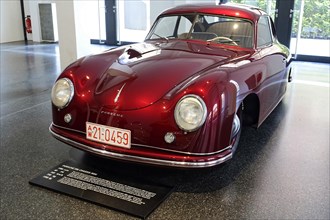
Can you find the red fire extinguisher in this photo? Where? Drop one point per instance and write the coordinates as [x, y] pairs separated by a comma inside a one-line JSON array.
[[28, 24]]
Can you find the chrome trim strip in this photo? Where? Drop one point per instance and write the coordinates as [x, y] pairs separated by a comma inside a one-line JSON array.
[[69, 129], [142, 159], [119, 92], [186, 153], [157, 148]]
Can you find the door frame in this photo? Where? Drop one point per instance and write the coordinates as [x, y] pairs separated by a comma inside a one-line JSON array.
[[283, 21], [283, 24], [111, 22]]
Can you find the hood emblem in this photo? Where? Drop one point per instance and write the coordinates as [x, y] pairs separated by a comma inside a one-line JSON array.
[[114, 114]]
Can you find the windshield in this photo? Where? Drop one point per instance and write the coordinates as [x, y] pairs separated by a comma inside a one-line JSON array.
[[211, 28]]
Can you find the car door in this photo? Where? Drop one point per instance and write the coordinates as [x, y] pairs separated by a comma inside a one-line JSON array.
[[273, 62]]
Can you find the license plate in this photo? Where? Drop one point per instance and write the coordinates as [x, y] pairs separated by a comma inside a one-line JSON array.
[[108, 135]]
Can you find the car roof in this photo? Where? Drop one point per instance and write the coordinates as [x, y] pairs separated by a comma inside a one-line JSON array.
[[233, 10]]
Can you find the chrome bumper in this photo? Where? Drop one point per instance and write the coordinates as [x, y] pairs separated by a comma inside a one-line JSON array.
[[143, 160]]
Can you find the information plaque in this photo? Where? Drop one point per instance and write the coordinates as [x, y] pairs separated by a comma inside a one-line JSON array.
[[135, 197]]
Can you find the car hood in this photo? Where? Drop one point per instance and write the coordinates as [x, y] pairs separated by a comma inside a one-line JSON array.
[[136, 76]]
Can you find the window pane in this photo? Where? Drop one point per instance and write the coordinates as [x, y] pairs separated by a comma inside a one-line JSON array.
[[215, 29], [165, 27], [314, 36], [184, 26], [264, 37], [230, 30]]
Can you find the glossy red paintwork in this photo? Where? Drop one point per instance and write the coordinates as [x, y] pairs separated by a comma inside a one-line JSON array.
[[231, 10], [121, 89]]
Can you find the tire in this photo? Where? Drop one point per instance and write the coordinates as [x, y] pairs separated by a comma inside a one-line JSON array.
[[237, 134]]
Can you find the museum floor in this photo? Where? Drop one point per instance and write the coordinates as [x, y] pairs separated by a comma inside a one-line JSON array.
[[280, 171]]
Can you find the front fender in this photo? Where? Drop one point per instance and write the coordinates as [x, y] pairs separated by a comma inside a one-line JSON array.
[[220, 97]]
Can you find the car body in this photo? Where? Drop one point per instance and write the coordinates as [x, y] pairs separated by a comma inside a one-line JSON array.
[[180, 97]]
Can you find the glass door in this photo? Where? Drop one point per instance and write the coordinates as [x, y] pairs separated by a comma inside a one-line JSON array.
[[96, 20], [302, 25], [101, 17], [310, 31], [133, 20], [281, 13]]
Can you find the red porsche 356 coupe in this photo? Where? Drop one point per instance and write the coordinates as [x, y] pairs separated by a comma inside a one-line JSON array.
[[180, 97]]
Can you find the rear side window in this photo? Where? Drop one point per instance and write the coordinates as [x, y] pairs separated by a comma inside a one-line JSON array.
[[265, 36]]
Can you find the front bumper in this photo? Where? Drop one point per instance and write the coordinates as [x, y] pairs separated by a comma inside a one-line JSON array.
[[140, 154]]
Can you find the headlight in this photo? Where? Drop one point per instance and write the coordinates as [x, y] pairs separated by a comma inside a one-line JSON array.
[[62, 93], [190, 113]]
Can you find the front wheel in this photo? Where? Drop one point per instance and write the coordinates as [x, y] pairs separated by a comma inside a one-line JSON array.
[[236, 129]]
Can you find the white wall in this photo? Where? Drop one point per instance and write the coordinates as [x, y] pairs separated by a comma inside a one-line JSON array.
[[27, 12], [66, 32], [11, 20], [35, 18], [77, 25], [11, 28], [86, 24], [127, 13], [153, 7], [159, 6]]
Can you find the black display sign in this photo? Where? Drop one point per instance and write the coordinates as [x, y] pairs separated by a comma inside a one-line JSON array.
[[131, 196]]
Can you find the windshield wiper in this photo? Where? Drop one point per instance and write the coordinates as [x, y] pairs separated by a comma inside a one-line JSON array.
[[161, 37]]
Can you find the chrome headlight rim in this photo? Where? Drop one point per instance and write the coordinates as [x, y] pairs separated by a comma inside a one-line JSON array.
[[70, 83], [176, 113]]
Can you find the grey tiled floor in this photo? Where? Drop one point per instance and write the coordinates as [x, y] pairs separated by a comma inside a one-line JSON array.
[[280, 171]]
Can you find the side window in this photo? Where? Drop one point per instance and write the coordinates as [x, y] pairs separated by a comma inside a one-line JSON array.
[[184, 25], [264, 37]]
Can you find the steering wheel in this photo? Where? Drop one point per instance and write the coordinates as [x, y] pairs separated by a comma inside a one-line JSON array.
[[227, 39]]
